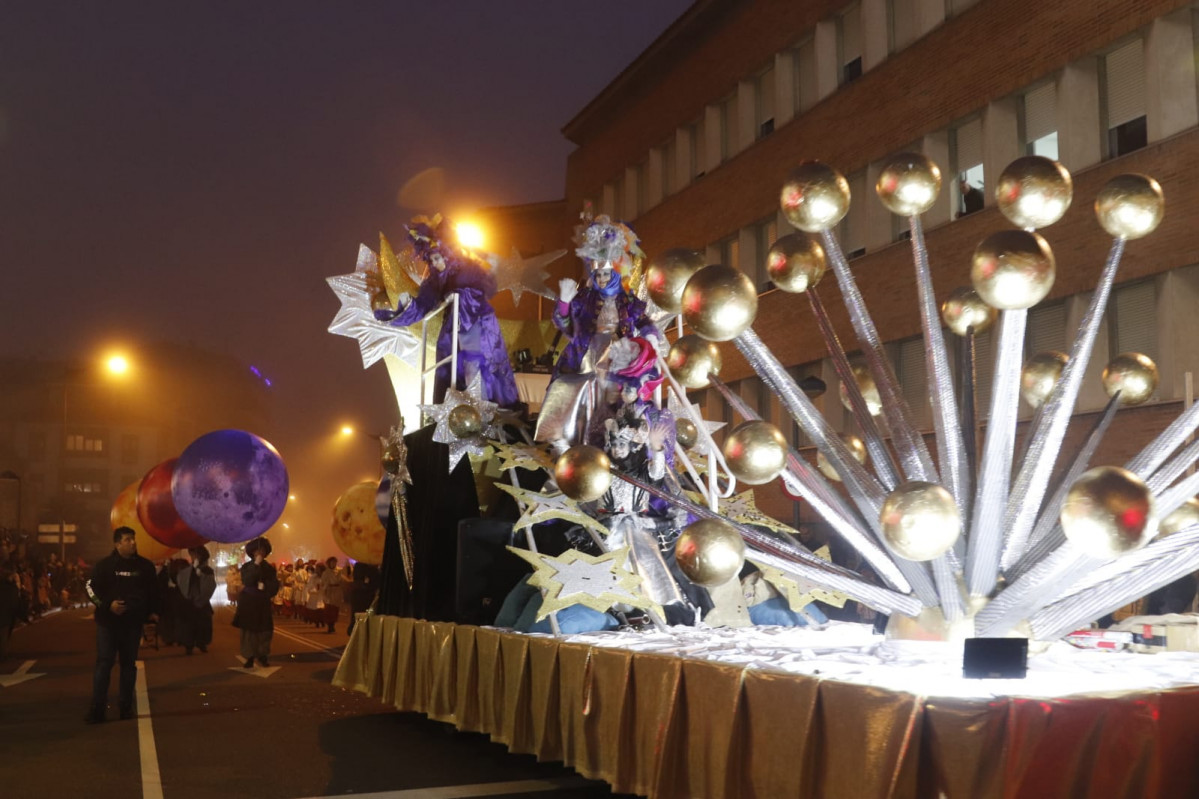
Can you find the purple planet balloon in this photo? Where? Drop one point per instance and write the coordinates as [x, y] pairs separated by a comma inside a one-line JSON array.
[[230, 486], [383, 499]]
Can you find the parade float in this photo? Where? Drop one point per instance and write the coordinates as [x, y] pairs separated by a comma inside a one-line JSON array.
[[676, 647]]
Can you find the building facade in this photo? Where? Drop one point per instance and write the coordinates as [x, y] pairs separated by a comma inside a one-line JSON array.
[[692, 142]]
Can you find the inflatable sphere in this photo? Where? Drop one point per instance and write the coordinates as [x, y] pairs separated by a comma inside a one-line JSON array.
[[383, 499], [230, 485], [124, 514], [157, 512], [356, 528]]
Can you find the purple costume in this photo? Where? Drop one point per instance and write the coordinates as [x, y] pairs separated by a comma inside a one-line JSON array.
[[582, 318], [480, 344]]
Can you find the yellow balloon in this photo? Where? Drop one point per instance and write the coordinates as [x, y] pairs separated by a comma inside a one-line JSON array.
[[124, 514], [356, 528]]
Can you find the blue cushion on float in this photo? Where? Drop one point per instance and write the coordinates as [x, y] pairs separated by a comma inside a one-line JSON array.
[[775, 612], [571, 619]]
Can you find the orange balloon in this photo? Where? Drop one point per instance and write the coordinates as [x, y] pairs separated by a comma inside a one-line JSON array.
[[356, 526], [124, 514]]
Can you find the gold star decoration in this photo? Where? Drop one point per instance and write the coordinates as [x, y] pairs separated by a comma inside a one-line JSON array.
[[356, 318], [519, 275], [537, 508], [440, 414], [800, 592], [594, 581], [523, 456], [742, 509]]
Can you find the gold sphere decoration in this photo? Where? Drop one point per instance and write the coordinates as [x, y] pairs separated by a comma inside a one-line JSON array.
[[464, 421], [795, 263], [1040, 375], [1132, 374], [1012, 269], [868, 388], [920, 520], [381, 302], [1130, 206], [857, 448], [815, 197], [583, 472], [1108, 511], [685, 432], [756, 452], [909, 184], [668, 274], [719, 302], [1184, 516], [1034, 191], [964, 309], [710, 552], [691, 359]]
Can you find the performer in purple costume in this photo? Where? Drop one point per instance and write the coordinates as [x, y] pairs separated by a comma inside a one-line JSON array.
[[480, 346]]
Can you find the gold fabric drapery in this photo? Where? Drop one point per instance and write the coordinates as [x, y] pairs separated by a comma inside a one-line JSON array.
[[666, 726]]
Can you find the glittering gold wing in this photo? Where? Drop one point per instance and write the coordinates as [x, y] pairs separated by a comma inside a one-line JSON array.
[[401, 272]]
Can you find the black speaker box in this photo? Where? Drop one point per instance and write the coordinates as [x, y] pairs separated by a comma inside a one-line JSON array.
[[995, 658]]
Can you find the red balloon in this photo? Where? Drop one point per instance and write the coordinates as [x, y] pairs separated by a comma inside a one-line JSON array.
[[156, 509]]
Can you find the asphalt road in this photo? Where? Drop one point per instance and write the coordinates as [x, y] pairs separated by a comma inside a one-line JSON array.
[[215, 729]]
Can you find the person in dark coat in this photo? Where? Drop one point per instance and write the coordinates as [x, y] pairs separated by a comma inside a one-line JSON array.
[[125, 593], [260, 583], [362, 590], [197, 583]]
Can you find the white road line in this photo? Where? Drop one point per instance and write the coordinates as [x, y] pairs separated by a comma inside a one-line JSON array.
[[300, 639], [481, 789], [151, 777]]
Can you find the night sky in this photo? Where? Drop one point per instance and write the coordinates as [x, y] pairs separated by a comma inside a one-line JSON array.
[[192, 171]]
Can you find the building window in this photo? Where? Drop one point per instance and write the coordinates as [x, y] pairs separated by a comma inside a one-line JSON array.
[[129, 448], [618, 203], [84, 444], [1039, 119], [1124, 77], [764, 103], [913, 379], [81, 487], [905, 24], [967, 143], [1132, 319], [669, 153], [730, 252], [805, 75], [639, 191], [853, 226], [849, 27], [699, 148], [728, 126], [1046, 329], [766, 234]]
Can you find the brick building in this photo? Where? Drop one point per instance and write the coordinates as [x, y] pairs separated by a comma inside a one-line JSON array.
[[691, 143]]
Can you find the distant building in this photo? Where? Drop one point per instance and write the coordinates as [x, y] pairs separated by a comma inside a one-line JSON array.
[[72, 437]]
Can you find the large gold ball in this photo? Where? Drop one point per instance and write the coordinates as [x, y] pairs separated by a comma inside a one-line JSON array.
[[964, 309], [909, 184], [685, 432], [1184, 516], [815, 197], [756, 452], [691, 359], [795, 263], [1132, 374], [866, 386], [1108, 511], [710, 552], [668, 274], [583, 472], [920, 520], [719, 302], [1034, 191], [465, 421], [1012, 269], [857, 448], [1040, 375], [1130, 206]]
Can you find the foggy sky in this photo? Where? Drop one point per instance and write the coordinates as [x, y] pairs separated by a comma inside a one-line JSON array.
[[192, 171]]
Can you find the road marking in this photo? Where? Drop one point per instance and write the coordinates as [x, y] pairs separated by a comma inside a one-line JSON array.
[[151, 776], [481, 789], [20, 675], [300, 639], [256, 670]]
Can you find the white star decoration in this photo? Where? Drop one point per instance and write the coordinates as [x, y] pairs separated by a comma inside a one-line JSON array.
[[356, 319], [519, 275], [440, 414], [744, 510], [576, 578]]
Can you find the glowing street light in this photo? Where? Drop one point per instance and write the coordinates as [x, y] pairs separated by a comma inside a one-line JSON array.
[[117, 365], [346, 430], [470, 235]]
